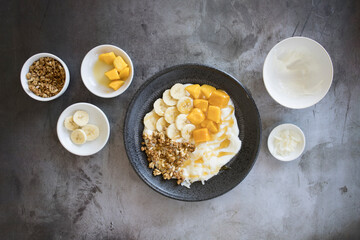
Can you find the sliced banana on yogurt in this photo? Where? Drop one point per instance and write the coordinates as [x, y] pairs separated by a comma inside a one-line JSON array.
[[178, 91], [185, 104], [168, 99]]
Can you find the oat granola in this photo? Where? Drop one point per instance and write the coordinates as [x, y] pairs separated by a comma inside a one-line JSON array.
[[166, 156], [46, 77]]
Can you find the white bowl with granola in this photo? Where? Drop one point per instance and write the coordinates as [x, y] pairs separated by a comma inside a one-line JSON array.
[[44, 77]]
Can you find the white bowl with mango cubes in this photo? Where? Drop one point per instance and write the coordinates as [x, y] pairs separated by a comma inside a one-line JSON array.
[[107, 71]]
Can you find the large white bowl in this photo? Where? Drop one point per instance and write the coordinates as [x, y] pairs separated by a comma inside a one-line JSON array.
[[313, 76], [299, 148], [97, 117], [25, 70], [87, 68]]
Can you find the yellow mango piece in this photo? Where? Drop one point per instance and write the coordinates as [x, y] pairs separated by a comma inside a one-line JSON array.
[[201, 135], [202, 104], [119, 63], [107, 57], [194, 90], [196, 116], [212, 127], [214, 114], [116, 84], [112, 74], [219, 98], [204, 123], [124, 74], [207, 90]]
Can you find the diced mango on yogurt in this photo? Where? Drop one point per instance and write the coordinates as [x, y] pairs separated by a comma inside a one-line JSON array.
[[201, 135], [219, 98], [194, 90], [214, 113], [196, 116], [201, 104], [108, 58], [207, 90]]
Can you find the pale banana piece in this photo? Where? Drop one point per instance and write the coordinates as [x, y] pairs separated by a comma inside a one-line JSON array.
[[185, 104], [150, 120], [160, 107], [92, 132], [181, 121], [161, 124], [172, 131], [171, 114], [81, 118], [168, 99], [178, 91], [187, 130], [78, 136], [70, 124]]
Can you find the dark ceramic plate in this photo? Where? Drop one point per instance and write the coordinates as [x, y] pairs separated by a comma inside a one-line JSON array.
[[246, 113]]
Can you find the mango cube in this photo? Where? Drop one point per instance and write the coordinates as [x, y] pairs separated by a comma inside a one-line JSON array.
[[112, 74], [212, 127], [201, 104], [219, 98], [119, 63], [124, 73], [116, 84], [204, 123], [214, 114], [201, 135], [194, 90], [108, 58], [196, 116], [207, 90]]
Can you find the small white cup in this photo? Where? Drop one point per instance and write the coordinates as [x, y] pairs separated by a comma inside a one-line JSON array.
[[25, 70], [299, 148]]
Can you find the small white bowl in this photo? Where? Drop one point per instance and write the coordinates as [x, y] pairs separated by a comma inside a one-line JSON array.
[[297, 72], [25, 70], [97, 117], [87, 71], [299, 148]]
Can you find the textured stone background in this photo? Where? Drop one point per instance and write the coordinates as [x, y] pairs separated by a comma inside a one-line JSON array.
[[48, 193]]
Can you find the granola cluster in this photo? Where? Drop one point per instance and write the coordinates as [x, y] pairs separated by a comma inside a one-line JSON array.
[[46, 77], [166, 156]]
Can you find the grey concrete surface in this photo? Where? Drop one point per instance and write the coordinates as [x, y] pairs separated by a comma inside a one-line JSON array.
[[48, 193]]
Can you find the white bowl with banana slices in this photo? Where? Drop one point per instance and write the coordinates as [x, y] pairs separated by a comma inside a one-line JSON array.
[[83, 129]]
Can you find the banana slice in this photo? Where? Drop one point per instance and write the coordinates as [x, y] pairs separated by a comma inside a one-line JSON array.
[[92, 132], [78, 136], [184, 105], [181, 121], [178, 91], [81, 118], [150, 120], [160, 107], [172, 131], [187, 130], [171, 114], [70, 124], [161, 124], [168, 99]]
